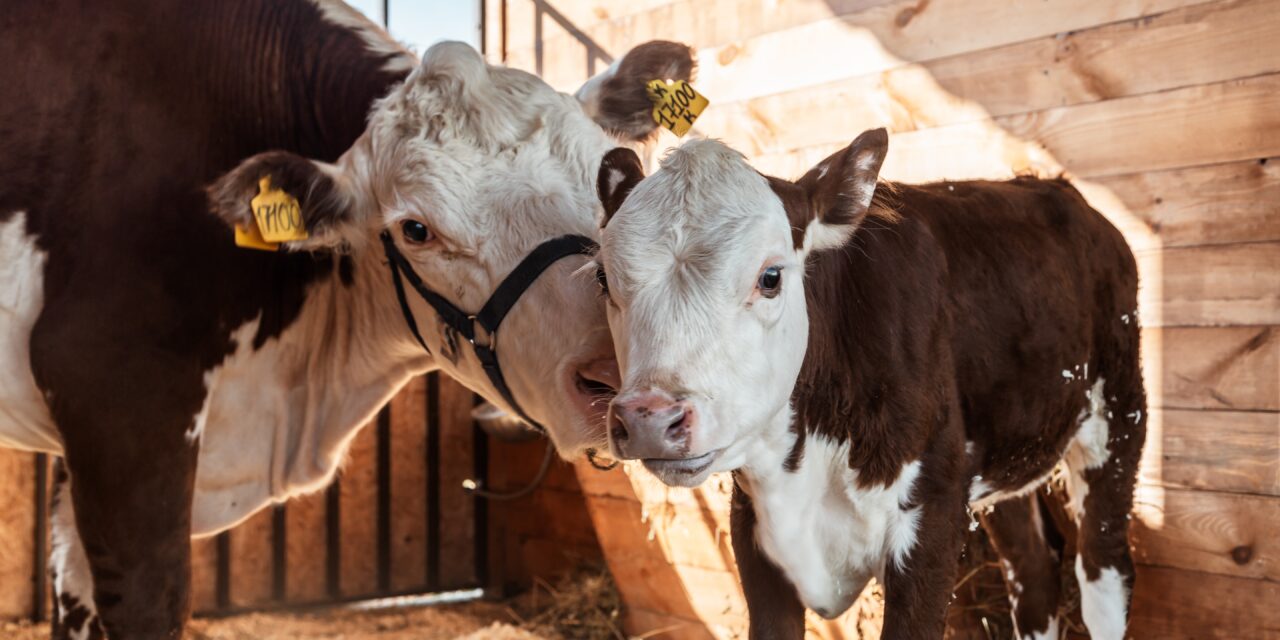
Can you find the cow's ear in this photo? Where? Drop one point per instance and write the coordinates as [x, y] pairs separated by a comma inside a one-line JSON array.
[[325, 205], [620, 172], [617, 98], [839, 190]]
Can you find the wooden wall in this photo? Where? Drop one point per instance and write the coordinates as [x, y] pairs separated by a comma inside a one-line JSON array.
[[1166, 113]]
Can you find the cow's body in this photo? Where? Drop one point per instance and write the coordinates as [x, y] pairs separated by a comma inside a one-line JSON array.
[[126, 303], [966, 339], [136, 337]]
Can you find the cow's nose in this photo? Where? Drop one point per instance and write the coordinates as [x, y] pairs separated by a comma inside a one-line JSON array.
[[650, 424]]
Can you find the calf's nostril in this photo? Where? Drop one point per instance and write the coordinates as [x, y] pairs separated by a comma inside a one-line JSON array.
[[618, 429]]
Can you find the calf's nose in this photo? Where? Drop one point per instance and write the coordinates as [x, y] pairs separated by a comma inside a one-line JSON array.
[[650, 424]]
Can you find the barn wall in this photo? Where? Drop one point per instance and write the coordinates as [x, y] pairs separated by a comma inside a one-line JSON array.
[[1166, 113]]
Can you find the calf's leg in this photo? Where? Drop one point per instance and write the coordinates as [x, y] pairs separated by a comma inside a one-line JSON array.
[[1030, 566], [918, 590], [773, 607]]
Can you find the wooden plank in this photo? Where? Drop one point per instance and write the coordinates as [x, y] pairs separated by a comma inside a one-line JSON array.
[[17, 528], [690, 537], [305, 549], [1236, 284], [1236, 451], [251, 578], [646, 623], [1225, 533], [204, 575], [561, 16], [457, 507], [409, 486], [1201, 44], [1175, 604], [358, 548], [871, 37], [1222, 122], [1214, 204], [1212, 368]]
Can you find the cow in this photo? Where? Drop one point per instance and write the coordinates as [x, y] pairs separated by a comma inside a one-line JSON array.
[[187, 382], [870, 360]]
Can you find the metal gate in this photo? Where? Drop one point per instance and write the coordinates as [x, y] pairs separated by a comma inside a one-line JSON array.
[[396, 521]]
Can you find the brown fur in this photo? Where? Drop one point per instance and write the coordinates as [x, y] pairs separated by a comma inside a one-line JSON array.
[[625, 109]]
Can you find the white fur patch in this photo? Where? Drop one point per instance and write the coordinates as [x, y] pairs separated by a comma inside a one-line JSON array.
[[1103, 602], [376, 40], [25, 422], [1050, 631], [68, 563], [829, 536], [1089, 448]]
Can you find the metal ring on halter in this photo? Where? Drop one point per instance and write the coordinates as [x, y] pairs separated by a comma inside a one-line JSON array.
[[591, 457], [476, 486]]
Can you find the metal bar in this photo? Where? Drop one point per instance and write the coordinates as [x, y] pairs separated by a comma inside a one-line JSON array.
[[223, 573], [279, 551], [433, 481], [39, 575], [384, 499], [480, 471], [333, 538]]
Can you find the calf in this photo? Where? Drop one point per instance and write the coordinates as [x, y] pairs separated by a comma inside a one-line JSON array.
[[869, 360]]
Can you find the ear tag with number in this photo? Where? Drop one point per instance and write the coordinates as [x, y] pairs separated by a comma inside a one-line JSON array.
[[278, 215], [250, 238], [675, 104]]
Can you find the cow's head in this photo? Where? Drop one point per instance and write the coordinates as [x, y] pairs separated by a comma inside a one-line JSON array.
[[704, 265], [469, 167]]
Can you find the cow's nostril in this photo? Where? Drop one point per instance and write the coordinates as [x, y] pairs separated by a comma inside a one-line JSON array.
[[676, 429], [618, 429]]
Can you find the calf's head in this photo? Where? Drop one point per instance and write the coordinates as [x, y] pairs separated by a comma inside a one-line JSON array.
[[468, 167], [703, 263]]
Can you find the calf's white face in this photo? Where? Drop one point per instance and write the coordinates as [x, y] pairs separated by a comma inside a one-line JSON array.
[[469, 167], [703, 263]]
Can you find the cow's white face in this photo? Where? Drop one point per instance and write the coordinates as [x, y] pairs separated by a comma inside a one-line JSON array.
[[704, 267], [470, 167]]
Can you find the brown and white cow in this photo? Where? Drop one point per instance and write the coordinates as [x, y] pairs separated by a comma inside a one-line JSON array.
[[136, 339], [871, 359]]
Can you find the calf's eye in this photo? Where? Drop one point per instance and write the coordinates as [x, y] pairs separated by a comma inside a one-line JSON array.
[[602, 280], [770, 282], [415, 232]]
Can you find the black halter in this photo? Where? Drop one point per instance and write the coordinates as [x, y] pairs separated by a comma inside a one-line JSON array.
[[493, 311]]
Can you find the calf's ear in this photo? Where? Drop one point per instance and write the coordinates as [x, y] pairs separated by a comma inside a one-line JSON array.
[[839, 190], [620, 172], [326, 206], [617, 99]]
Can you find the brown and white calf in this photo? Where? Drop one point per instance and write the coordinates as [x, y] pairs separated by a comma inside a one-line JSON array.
[[870, 360], [136, 340]]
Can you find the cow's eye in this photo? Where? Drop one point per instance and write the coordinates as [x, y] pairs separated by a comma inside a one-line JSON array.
[[602, 280], [415, 232], [770, 283]]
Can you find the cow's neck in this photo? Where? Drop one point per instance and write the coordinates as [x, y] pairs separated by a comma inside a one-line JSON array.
[[281, 414], [316, 69]]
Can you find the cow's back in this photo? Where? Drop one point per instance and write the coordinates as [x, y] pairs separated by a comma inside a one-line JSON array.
[[1038, 284]]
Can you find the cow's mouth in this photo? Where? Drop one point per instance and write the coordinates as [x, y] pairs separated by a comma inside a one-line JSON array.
[[681, 472]]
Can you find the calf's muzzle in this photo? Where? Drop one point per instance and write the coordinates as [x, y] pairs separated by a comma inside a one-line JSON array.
[[650, 424]]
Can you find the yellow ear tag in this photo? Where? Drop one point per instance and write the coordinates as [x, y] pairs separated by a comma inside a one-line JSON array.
[[250, 238], [675, 104], [278, 214]]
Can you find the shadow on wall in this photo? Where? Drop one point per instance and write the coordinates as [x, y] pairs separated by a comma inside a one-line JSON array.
[[1157, 111]]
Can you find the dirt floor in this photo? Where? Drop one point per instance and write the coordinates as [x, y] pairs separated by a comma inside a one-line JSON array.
[[584, 607]]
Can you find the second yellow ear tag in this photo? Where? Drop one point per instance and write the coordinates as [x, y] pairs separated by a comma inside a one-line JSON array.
[[675, 104], [278, 215]]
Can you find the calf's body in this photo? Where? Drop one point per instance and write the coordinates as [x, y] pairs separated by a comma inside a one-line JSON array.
[[962, 341]]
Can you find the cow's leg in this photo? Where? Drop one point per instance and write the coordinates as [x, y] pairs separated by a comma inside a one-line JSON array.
[[1102, 464], [1030, 566], [773, 607], [75, 616], [918, 589]]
